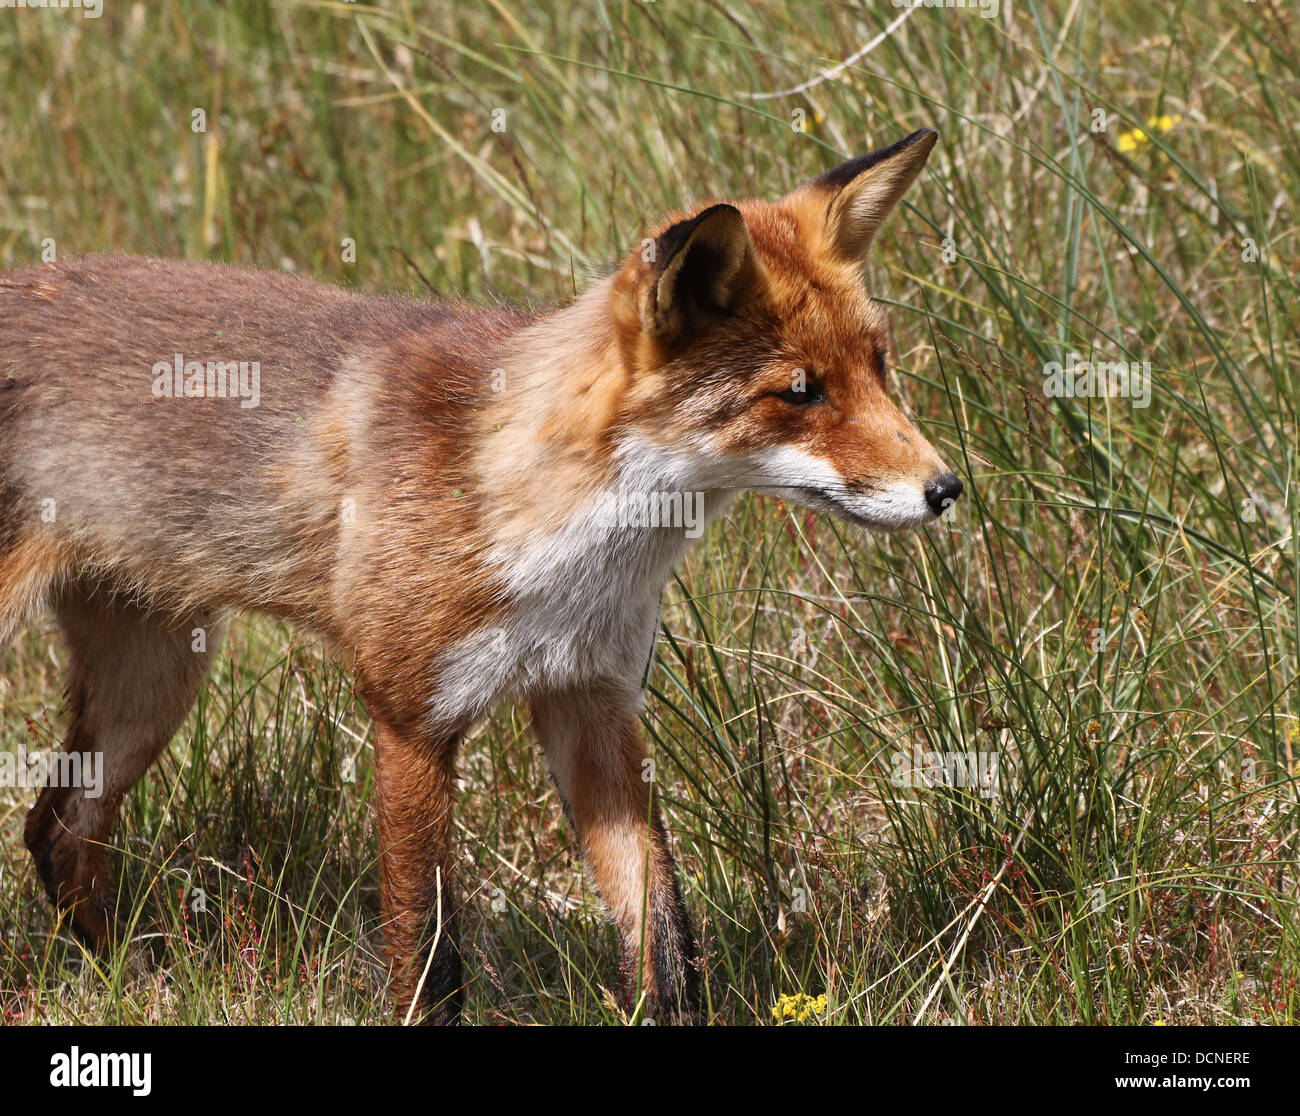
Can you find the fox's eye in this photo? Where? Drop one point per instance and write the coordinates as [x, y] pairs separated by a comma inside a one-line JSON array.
[[809, 394]]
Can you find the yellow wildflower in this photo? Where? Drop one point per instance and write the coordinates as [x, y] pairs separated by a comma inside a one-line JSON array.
[[1132, 140], [799, 1007]]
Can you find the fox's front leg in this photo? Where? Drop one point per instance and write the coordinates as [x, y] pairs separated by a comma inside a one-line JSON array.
[[415, 784], [595, 755]]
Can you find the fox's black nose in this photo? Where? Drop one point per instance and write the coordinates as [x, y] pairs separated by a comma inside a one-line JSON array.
[[942, 492]]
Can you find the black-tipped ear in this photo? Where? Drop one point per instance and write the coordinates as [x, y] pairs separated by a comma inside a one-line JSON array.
[[863, 192], [696, 267]]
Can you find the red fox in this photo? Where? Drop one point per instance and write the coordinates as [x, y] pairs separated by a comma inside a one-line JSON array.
[[467, 504]]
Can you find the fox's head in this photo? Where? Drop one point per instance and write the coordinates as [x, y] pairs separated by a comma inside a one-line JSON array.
[[752, 346]]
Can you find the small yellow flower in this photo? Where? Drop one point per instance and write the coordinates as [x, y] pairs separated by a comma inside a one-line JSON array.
[[1132, 140], [799, 1007]]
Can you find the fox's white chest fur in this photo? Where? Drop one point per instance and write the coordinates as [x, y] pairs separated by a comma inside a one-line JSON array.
[[583, 597]]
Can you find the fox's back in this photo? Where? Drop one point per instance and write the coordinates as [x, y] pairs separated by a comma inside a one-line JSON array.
[[236, 483]]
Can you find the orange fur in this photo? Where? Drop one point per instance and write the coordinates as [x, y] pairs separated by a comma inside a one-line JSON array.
[[428, 486]]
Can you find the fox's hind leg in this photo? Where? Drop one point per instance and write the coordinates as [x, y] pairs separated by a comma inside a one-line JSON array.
[[132, 678], [27, 568]]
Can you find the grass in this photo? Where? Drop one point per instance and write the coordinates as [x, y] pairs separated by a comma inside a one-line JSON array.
[[1112, 614]]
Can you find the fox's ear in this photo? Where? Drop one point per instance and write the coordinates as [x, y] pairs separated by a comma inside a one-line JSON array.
[[861, 193], [696, 267]]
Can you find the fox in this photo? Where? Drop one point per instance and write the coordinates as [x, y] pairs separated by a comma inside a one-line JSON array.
[[452, 498]]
